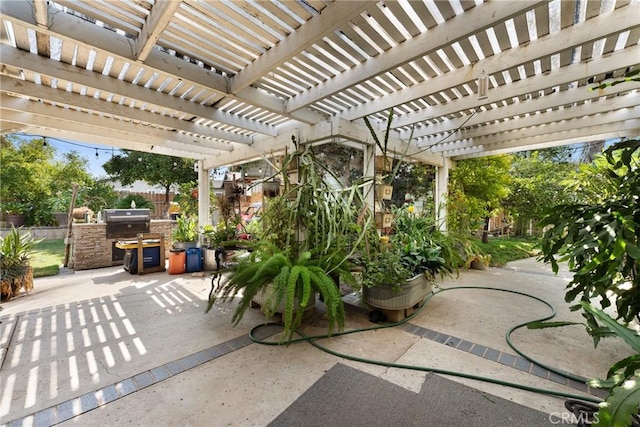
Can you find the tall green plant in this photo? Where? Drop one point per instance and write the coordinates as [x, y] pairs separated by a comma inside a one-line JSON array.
[[601, 241], [15, 250]]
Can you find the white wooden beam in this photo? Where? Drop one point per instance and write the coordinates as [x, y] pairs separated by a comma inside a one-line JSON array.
[[159, 17], [332, 17], [72, 29], [32, 90], [619, 20], [630, 128], [460, 27], [47, 116], [559, 132], [61, 71], [468, 137], [519, 108], [127, 144], [618, 60]]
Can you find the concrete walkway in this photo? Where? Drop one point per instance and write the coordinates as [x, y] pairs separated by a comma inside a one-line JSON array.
[[103, 347]]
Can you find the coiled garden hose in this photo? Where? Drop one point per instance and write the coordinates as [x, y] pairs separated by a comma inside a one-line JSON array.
[[313, 340]]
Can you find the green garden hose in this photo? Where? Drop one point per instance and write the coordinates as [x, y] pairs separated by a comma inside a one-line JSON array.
[[313, 340]]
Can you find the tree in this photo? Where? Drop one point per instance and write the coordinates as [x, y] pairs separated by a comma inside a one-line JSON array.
[[537, 184], [476, 190], [154, 169], [32, 177]]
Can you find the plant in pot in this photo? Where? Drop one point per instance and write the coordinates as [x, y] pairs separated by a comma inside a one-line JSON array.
[[185, 234], [400, 273], [303, 249], [14, 212], [16, 249]]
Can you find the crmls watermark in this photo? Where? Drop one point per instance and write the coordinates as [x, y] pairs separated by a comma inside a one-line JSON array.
[[583, 418]]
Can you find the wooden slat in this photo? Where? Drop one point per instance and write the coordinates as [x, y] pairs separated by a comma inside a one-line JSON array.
[[398, 74], [21, 37], [593, 8], [529, 70], [100, 62], [485, 45], [522, 29], [296, 9], [346, 47], [502, 35], [99, 12], [469, 51], [330, 51], [282, 15], [208, 51], [453, 56], [445, 9], [424, 14], [634, 35], [609, 44], [412, 72], [214, 37], [391, 82], [200, 13], [424, 66], [567, 13], [514, 74], [545, 64], [264, 18], [542, 20], [308, 67], [586, 51], [359, 41], [402, 17], [127, 9], [386, 24], [297, 76], [371, 33], [234, 23]]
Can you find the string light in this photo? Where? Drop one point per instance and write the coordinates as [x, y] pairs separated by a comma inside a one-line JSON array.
[[97, 153]]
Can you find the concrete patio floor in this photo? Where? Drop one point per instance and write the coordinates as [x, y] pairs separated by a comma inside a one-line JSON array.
[[103, 347]]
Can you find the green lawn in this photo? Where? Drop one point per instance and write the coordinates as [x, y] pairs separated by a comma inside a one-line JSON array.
[[47, 258], [505, 249]]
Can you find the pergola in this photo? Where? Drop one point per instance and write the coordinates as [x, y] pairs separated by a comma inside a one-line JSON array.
[[229, 81]]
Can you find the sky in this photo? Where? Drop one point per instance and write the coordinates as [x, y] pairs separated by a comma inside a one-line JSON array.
[[88, 152]]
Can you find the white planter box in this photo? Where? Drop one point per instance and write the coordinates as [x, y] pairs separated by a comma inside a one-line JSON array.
[[384, 297]]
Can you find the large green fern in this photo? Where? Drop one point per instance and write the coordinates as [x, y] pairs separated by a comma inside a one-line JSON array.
[[293, 282]]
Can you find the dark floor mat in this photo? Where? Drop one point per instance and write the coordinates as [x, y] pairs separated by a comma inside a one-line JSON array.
[[345, 396]]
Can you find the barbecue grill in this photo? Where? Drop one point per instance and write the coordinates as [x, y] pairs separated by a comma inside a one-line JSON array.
[[126, 223]]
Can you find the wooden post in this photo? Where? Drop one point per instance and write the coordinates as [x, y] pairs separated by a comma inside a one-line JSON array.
[[67, 240]]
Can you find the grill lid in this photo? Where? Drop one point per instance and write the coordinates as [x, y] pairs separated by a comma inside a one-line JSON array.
[[127, 215]]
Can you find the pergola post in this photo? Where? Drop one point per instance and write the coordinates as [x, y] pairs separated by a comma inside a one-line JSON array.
[[442, 183], [204, 190]]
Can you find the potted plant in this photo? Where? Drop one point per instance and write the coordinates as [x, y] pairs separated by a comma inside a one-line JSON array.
[[185, 235], [399, 274], [307, 238], [283, 284], [15, 250], [14, 212], [59, 205]]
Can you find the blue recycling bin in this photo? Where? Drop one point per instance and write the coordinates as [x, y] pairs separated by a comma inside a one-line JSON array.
[[194, 260]]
